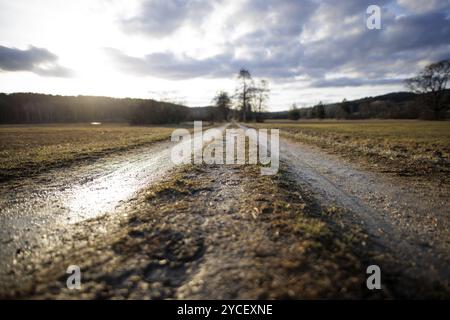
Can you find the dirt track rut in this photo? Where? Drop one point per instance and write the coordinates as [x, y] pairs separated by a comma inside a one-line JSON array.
[[409, 220]]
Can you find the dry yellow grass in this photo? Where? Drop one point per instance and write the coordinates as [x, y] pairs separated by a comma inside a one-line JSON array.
[[27, 149], [405, 147]]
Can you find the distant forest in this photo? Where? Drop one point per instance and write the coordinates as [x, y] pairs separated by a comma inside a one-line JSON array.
[[18, 108], [397, 105], [42, 108]]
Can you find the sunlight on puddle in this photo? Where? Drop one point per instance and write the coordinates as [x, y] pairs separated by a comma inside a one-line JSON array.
[[102, 195], [94, 200]]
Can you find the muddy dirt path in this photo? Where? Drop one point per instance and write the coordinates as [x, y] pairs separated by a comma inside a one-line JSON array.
[[32, 209], [409, 220], [218, 232], [35, 209], [209, 232]]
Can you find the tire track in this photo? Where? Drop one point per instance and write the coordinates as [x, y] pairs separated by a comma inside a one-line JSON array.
[[398, 218]]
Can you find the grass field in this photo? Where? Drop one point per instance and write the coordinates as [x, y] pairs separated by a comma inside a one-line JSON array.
[[412, 148], [26, 149]]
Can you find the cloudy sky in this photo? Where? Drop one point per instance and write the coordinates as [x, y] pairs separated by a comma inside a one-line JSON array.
[[186, 50]]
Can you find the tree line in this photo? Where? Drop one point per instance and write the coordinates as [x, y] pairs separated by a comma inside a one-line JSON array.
[[42, 108], [398, 105]]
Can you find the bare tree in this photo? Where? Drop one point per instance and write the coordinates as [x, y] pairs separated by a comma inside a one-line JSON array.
[[343, 110], [432, 82], [223, 103], [261, 97], [294, 113], [244, 93], [319, 111]]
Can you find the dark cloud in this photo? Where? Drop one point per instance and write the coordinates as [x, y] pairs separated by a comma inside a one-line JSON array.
[[417, 31], [273, 45], [168, 65], [159, 18], [300, 38], [396, 49], [422, 6], [37, 60]]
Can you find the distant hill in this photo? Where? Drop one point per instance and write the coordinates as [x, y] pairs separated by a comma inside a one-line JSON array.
[[395, 105], [393, 96]]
